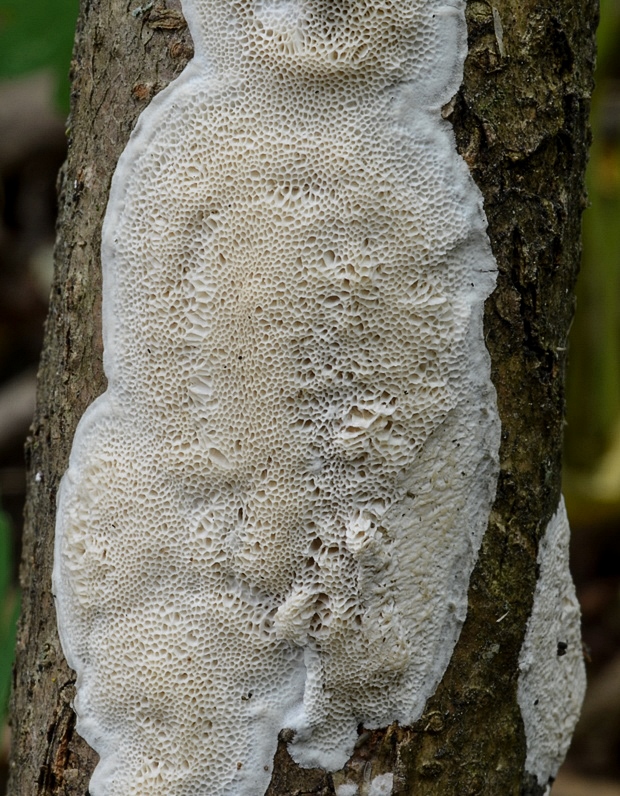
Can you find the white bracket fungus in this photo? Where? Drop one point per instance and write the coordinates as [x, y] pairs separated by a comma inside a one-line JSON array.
[[552, 679], [271, 517]]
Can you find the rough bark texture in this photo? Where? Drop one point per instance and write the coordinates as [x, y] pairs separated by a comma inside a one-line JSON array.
[[521, 124]]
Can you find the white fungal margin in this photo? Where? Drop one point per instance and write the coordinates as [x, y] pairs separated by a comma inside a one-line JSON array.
[[552, 679], [381, 785], [347, 789], [271, 517]]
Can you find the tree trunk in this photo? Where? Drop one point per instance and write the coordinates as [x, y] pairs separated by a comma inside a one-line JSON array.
[[521, 125]]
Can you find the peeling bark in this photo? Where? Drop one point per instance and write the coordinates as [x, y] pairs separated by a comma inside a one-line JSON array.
[[520, 120]]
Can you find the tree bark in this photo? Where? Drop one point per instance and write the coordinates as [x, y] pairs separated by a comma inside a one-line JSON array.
[[520, 120]]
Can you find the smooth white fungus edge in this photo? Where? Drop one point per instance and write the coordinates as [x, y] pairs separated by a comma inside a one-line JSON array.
[[270, 518], [552, 679]]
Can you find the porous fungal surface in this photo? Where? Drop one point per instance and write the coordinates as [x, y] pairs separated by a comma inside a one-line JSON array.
[[270, 518], [552, 679]]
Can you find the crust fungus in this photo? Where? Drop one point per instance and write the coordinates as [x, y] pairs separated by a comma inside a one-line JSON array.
[[552, 679], [270, 518]]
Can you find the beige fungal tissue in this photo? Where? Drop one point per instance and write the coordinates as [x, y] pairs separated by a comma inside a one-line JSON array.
[[270, 518]]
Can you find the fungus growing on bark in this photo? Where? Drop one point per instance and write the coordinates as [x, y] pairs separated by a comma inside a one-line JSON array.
[[552, 679], [270, 518]]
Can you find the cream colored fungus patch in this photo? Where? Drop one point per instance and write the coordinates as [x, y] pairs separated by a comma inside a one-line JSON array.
[[270, 518]]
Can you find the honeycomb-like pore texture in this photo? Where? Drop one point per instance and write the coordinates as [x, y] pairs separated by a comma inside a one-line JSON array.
[[270, 518], [552, 679]]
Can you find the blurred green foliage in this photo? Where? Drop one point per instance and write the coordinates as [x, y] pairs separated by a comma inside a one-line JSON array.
[[34, 35], [594, 372], [38, 34], [9, 609]]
